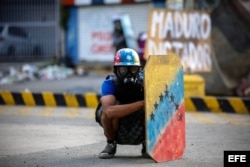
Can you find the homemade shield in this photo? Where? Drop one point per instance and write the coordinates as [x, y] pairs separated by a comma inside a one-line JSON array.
[[165, 110]]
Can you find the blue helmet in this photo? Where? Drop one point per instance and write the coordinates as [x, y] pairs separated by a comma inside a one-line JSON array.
[[126, 57]]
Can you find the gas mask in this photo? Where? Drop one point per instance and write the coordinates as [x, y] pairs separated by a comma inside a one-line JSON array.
[[128, 75]]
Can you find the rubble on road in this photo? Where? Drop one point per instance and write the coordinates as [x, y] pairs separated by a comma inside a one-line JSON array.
[[29, 72]]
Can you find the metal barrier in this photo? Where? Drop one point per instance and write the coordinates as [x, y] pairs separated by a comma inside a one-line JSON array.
[[29, 29]]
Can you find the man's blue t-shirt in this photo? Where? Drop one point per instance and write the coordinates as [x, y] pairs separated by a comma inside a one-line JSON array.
[[108, 87]]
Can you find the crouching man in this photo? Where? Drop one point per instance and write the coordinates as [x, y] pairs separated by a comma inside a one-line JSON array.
[[121, 108]]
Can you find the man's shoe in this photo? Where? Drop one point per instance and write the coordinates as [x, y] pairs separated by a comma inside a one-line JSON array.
[[109, 151]]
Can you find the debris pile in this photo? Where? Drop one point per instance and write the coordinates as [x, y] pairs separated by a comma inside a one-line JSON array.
[[31, 72]]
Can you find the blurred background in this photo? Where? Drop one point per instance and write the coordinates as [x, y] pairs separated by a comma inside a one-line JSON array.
[[63, 35]]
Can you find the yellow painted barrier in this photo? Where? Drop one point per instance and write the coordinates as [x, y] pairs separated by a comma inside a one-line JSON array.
[[194, 85]]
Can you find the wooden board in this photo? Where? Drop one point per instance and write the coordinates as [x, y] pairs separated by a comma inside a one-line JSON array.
[[165, 109], [186, 33]]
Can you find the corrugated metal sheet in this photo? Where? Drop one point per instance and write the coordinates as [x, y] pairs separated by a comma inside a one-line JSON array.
[[30, 29]]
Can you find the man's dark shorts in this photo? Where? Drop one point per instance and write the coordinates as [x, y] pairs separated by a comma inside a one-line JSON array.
[[131, 128]]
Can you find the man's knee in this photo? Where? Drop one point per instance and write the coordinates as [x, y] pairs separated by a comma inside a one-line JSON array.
[[106, 115]]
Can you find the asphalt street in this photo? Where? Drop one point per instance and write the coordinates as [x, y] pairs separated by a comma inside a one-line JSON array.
[[63, 137]]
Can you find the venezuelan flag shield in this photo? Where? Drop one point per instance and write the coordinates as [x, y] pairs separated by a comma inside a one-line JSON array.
[[165, 109]]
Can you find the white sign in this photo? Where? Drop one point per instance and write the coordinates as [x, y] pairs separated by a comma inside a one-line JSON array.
[[95, 40]]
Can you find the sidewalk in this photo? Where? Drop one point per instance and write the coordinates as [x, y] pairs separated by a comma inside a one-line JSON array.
[[73, 84]]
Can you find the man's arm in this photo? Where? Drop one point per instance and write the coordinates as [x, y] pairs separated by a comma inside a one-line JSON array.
[[114, 110]]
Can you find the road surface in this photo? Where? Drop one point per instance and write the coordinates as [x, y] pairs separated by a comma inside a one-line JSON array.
[[63, 137]]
